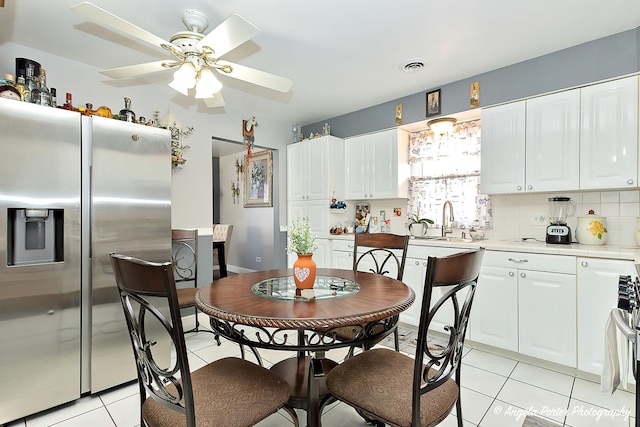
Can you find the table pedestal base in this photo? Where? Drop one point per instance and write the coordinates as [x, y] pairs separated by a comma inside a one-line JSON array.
[[295, 371]]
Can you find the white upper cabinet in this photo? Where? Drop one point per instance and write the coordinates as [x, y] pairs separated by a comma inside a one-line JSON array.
[[315, 169], [553, 142], [503, 149], [582, 138], [377, 165], [608, 151]]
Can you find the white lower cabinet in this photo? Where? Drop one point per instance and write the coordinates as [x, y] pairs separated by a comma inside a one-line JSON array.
[[597, 296], [415, 271], [527, 303], [547, 316], [342, 254], [494, 314]]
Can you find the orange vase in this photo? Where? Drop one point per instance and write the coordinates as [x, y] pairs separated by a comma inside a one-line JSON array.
[[304, 271]]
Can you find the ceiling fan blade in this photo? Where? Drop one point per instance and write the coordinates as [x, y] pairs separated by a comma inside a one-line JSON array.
[[231, 33], [101, 16], [139, 69], [257, 77], [216, 101]]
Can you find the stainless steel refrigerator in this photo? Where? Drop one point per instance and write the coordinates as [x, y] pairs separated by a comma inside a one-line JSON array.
[[72, 190]]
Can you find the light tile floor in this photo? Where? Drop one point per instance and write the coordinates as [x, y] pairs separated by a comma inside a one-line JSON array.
[[496, 392]]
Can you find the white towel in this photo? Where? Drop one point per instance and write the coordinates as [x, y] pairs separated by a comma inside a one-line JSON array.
[[615, 368]]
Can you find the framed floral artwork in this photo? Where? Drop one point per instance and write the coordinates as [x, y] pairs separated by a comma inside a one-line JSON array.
[[258, 180]]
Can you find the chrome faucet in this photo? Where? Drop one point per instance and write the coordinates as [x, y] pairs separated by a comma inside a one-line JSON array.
[[447, 229]]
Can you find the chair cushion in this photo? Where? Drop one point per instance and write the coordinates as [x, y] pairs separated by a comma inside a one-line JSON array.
[[379, 382], [186, 297], [229, 392]]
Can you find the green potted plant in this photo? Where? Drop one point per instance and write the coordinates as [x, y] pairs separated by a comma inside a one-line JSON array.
[[303, 243], [418, 226]]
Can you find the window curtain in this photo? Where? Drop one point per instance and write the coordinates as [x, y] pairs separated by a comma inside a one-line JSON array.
[[447, 167]]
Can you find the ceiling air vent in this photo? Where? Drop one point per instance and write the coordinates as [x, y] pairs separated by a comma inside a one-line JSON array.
[[414, 64]]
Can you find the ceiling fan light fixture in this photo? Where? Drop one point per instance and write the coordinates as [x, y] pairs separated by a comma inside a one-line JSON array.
[[207, 85], [184, 78]]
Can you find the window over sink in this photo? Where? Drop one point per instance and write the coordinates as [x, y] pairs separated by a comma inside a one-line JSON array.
[[447, 167]]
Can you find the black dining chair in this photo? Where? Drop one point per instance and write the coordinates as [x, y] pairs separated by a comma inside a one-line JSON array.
[[383, 253], [184, 255], [420, 391], [229, 392]]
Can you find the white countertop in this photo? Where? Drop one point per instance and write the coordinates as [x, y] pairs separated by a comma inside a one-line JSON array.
[[631, 253]]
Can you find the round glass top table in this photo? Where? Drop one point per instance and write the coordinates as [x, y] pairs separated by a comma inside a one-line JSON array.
[[263, 309], [360, 298]]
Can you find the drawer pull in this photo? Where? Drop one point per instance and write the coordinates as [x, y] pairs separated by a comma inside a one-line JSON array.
[[523, 275], [511, 274], [518, 260]]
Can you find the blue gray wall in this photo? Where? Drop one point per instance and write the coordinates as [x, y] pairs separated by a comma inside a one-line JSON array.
[[601, 59]]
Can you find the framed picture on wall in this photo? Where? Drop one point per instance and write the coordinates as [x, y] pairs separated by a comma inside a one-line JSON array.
[[433, 103], [258, 180]]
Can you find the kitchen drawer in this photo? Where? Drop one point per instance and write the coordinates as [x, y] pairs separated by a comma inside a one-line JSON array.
[[342, 245], [527, 261]]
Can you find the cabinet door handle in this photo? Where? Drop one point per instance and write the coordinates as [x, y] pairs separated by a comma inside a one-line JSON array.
[[417, 262], [424, 264], [630, 181], [584, 263], [529, 187], [518, 260], [370, 195], [523, 275], [511, 274], [519, 188]]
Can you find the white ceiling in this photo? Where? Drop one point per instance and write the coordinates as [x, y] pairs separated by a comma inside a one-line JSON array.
[[341, 55]]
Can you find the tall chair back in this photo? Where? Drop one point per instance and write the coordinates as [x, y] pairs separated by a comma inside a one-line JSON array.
[[138, 280], [418, 391], [226, 392], [184, 255], [378, 253], [436, 364], [385, 253]]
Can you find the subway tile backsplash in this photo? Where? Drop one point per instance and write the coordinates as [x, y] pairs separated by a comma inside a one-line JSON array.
[[525, 215]]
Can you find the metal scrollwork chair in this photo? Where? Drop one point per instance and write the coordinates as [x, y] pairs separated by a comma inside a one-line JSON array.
[[184, 255], [229, 392], [422, 391], [384, 254]]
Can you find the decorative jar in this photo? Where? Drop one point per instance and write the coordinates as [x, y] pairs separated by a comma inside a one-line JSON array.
[[304, 271], [592, 229]]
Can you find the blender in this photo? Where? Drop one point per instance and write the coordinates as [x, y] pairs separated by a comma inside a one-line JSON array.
[[559, 209]]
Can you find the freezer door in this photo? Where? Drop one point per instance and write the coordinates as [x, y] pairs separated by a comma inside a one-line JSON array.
[[130, 214], [39, 299]]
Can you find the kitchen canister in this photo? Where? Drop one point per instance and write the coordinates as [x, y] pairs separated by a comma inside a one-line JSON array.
[[592, 229]]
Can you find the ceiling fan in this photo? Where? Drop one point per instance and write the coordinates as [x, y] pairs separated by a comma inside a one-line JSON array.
[[195, 54]]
